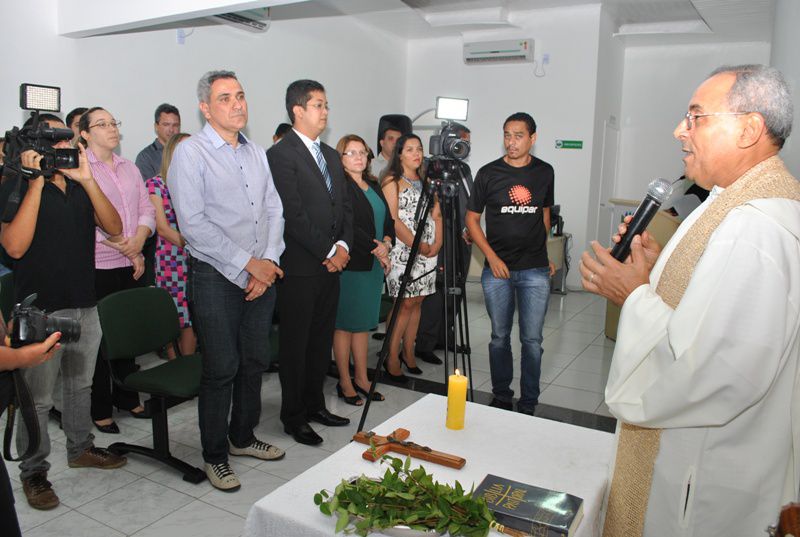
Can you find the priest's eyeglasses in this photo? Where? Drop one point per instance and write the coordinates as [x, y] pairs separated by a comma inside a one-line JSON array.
[[691, 118]]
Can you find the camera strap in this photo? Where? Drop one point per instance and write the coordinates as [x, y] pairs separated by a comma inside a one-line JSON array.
[[23, 401]]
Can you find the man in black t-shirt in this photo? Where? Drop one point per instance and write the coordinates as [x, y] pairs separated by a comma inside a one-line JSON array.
[[516, 192], [51, 237]]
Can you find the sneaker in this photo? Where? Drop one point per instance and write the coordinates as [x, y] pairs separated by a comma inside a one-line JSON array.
[[39, 492], [223, 477], [505, 405], [95, 457], [259, 450]]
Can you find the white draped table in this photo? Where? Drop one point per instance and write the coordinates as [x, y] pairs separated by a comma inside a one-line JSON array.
[[536, 451]]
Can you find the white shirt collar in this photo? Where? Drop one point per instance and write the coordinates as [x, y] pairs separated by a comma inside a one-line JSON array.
[[305, 139]]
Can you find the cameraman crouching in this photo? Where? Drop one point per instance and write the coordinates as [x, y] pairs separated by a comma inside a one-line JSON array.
[[11, 359], [52, 238]]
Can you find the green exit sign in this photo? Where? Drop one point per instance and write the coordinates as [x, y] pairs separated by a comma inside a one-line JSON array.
[[569, 144]]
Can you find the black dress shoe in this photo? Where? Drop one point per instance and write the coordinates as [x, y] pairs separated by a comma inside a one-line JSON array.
[[428, 356], [413, 370], [111, 428], [141, 415], [526, 411], [400, 379], [354, 400], [505, 405], [326, 418], [303, 434]]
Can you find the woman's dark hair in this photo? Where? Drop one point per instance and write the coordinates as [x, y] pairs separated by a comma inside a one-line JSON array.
[[83, 123], [366, 175], [395, 169]]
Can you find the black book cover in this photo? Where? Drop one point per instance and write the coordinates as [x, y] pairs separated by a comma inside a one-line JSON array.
[[534, 510]]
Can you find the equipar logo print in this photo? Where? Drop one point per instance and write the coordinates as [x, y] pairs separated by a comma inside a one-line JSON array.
[[521, 197]]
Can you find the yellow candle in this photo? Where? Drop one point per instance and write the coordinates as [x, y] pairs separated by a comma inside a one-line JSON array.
[[456, 400]]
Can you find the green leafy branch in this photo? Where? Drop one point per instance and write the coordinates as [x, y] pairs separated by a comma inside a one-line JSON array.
[[407, 497]]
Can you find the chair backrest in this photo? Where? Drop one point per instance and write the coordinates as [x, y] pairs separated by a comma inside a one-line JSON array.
[[7, 294], [137, 321]]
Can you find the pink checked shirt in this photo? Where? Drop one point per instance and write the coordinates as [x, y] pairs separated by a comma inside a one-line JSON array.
[[125, 189]]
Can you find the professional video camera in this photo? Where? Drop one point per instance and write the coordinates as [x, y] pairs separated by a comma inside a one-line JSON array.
[[447, 143], [448, 150], [38, 136], [32, 325]]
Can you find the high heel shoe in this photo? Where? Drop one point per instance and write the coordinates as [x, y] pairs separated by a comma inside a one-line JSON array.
[[111, 428], [401, 378], [413, 370], [376, 395], [354, 400]]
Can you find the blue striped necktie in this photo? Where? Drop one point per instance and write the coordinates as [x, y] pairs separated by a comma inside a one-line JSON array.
[[323, 167]]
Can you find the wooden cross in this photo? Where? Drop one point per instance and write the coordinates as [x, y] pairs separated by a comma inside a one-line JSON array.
[[397, 443]]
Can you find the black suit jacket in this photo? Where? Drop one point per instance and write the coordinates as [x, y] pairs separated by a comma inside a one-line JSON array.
[[315, 220], [364, 226]]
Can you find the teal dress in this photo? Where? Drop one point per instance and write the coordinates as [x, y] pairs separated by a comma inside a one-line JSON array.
[[360, 291]]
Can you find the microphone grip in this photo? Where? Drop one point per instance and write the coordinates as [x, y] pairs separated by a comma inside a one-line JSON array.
[[641, 219]]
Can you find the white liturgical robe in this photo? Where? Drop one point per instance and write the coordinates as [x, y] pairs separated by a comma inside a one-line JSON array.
[[719, 375]]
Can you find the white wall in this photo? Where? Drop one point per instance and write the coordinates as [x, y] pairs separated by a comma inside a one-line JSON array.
[[562, 102], [130, 74], [657, 85], [610, 68], [785, 44]]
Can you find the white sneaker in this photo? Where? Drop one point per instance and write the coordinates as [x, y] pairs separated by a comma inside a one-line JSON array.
[[259, 450], [223, 477]]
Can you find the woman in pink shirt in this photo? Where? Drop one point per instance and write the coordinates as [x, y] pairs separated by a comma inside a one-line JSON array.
[[118, 260]]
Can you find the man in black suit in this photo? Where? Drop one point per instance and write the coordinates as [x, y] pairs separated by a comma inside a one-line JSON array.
[[319, 226]]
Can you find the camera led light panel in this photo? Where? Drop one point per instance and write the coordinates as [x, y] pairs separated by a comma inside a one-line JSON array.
[[43, 98], [451, 108]]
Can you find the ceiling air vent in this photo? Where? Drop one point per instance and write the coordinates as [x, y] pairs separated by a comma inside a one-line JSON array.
[[253, 20]]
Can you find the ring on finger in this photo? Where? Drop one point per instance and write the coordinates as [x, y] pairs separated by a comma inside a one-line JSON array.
[[591, 278]]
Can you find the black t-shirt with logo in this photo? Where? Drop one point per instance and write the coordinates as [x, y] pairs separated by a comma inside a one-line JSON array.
[[514, 199]]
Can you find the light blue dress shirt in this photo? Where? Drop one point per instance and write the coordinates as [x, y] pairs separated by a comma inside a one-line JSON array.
[[227, 207]]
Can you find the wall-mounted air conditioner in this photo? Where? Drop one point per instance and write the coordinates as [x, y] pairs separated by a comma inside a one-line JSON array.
[[512, 50], [252, 20]]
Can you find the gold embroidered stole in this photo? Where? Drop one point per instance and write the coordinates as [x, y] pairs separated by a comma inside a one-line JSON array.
[[638, 446]]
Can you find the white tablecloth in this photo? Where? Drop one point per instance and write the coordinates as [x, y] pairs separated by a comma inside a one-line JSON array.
[[539, 452]]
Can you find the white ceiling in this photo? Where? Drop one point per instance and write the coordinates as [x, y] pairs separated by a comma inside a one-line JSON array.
[[638, 21]]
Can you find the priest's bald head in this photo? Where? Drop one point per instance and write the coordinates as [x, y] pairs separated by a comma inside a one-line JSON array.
[[738, 117]]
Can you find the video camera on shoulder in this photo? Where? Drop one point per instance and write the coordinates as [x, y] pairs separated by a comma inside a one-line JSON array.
[[38, 136], [32, 325]]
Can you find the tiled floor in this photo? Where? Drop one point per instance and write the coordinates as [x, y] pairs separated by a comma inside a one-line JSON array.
[[148, 499]]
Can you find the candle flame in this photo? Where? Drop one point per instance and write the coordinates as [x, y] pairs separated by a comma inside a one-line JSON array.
[[457, 373]]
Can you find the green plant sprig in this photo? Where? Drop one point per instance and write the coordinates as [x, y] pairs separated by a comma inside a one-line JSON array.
[[407, 497]]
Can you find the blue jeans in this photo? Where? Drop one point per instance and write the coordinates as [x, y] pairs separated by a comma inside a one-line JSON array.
[[234, 335], [531, 289]]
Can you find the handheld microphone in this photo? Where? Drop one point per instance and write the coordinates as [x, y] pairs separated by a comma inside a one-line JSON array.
[[658, 191]]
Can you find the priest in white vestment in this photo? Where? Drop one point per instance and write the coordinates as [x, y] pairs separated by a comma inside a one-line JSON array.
[[712, 369]]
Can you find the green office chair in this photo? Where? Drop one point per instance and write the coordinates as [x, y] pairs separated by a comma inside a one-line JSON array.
[[136, 322]]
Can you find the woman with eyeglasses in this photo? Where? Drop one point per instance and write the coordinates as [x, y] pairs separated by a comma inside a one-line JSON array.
[[362, 280], [170, 259], [403, 188], [118, 260]]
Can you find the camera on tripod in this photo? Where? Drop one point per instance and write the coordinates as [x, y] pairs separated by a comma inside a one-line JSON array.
[[448, 143], [32, 325], [38, 136]]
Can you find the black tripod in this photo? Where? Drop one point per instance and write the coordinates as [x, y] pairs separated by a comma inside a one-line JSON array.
[[448, 173], [446, 190]]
